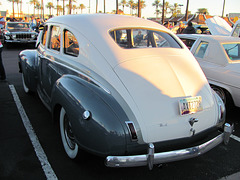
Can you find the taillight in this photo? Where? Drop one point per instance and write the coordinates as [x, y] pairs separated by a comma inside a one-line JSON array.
[[132, 130]]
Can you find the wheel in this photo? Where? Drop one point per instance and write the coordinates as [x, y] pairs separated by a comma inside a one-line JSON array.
[[26, 89], [221, 93], [68, 139]]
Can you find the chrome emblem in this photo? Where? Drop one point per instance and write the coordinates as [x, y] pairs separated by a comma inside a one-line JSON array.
[[192, 121]]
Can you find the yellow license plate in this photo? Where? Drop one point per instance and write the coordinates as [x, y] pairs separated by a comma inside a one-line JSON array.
[[190, 105]]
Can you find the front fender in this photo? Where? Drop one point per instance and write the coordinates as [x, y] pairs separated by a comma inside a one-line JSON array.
[[28, 66], [103, 133]]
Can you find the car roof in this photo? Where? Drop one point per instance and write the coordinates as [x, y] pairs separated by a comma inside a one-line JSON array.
[[96, 27], [103, 21]]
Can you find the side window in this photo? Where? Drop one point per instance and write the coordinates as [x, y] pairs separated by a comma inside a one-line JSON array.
[[232, 50], [201, 49], [236, 32], [188, 42], [120, 36], [71, 46], [55, 38], [44, 35]]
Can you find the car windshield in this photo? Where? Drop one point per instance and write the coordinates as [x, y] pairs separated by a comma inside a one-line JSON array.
[[232, 50], [143, 38], [18, 26]]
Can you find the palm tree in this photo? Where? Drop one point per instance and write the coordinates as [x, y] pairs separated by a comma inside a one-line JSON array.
[[166, 7], [123, 4], [63, 7], [70, 7], [49, 6], [116, 11], [59, 9], [21, 6], [186, 15], [142, 5], [81, 7], [96, 6], [38, 7], [18, 7], [42, 9], [131, 6], [157, 4], [74, 7], [135, 7], [12, 1], [202, 11], [33, 2], [175, 10]]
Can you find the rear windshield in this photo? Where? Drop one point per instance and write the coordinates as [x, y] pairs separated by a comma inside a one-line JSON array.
[[232, 50], [143, 38]]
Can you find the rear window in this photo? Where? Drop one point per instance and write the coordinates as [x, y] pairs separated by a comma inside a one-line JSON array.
[[201, 49], [232, 50], [188, 42], [143, 38]]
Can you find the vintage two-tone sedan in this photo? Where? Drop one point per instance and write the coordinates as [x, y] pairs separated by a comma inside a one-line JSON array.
[[123, 88]]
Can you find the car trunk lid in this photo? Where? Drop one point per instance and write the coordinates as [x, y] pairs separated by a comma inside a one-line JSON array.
[[156, 84]]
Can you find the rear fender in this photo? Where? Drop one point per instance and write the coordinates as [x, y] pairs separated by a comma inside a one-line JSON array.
[[102, 133], [28, 66]]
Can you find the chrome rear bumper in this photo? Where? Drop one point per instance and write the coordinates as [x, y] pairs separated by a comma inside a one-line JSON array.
[[157, 158]]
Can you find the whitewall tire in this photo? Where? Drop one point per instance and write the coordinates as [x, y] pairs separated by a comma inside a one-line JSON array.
[[70, 147], [26, 89]]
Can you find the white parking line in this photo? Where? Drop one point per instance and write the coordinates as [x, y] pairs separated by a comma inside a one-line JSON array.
[[236, 175], [235, 137], [33, 137]]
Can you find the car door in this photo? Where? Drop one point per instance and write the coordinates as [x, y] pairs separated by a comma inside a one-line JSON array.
[[49, 55]]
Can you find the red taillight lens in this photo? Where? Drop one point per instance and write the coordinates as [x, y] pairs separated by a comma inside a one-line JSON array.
[[132, 130]]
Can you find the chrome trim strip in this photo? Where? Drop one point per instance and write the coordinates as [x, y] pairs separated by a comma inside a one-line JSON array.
[[164, 157]]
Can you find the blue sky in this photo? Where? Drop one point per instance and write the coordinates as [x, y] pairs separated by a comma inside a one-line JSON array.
[[214, 6]]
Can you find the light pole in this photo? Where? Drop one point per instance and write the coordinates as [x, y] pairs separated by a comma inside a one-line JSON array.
[[104, 3], [186, 15], [89, 8], [163, 12], [223, 8], [139, 8], [116, 6]]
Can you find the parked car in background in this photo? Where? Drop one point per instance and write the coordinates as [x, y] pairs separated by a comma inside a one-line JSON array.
[[123, 88], [219, 57], [19, 32]]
